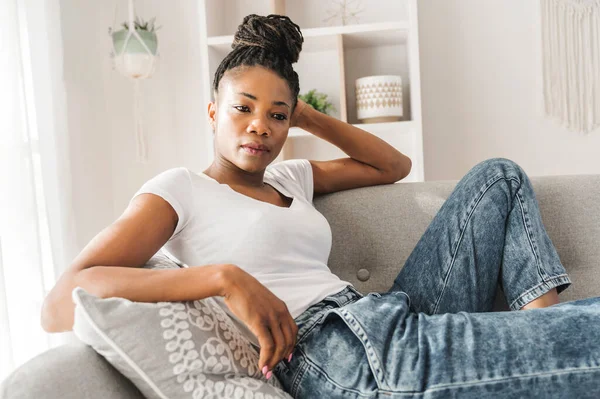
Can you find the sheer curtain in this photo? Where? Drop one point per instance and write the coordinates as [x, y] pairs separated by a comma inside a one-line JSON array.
[[36, 227]]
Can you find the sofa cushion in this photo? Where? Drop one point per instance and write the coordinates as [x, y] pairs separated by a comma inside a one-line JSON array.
[[173, 349]]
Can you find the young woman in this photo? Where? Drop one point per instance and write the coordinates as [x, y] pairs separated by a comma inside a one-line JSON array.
[[263, 249]]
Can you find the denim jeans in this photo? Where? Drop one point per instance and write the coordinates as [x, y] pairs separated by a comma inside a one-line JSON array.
[[433, 335]]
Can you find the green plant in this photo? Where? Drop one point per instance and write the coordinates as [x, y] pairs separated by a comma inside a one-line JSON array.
[[140, 24], [317, 100]]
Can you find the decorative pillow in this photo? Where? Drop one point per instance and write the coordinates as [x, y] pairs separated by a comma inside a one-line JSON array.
[[173, 349]]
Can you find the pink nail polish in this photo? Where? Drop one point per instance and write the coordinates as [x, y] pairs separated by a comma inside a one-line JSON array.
[[264, 370], [290, 358], [269, 374]]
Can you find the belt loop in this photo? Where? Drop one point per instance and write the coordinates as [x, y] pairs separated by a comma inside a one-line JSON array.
[[347, 295], [355, 291]]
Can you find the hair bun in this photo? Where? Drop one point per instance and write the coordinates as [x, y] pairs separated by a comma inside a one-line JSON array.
[[274, 33]]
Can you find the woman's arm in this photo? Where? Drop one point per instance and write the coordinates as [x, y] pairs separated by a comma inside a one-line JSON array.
[[357, 143], [109, 266]]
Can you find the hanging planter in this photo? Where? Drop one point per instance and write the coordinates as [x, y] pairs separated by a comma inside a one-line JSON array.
[[135, 51], [135, 54]]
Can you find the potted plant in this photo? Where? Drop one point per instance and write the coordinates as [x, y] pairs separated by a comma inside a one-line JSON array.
[[147, 32], [318, 101]]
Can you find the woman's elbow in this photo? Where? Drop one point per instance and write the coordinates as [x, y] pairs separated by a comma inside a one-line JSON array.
[[58, 307], [407, 167], [402, 168], [48, 319]]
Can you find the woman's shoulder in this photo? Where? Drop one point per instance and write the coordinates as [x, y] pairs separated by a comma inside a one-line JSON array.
[[174, 186], [173, 180], [175, 173], [295, 173], [291, 168]]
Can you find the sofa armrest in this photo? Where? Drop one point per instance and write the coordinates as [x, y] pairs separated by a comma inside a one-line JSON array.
[[75, 371], [71, 371]]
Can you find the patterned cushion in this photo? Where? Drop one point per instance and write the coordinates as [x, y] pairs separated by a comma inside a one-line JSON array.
[[173, 349]]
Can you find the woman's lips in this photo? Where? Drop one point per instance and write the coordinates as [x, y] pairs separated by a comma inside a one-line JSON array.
[[253, 151]]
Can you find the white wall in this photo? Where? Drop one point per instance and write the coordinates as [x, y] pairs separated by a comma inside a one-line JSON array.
[[90, 139], [482, 92], [100, 107]]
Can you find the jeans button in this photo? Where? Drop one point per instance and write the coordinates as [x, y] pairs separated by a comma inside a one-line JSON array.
[[363, 274]]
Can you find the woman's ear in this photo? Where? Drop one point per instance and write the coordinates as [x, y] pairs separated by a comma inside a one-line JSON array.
[[212, 114]]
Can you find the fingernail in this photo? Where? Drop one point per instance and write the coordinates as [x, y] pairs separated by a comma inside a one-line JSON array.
[[264, 370], [290, 358], [269, 374]]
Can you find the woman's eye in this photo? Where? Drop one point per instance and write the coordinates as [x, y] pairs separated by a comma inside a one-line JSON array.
[[244, 108]]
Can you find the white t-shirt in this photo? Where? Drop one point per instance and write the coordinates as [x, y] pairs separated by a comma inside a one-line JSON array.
[[286, 249]]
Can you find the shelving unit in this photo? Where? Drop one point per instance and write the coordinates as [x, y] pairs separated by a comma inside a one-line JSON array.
[[332, 58]]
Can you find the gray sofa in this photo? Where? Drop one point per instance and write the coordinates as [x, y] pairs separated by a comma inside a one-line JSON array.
[[374, 231]]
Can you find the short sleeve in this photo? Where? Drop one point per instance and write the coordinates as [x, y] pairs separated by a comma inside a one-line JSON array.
[[175, 187], [298, 171]]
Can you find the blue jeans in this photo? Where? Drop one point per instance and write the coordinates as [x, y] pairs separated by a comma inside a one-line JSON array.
[[432, 335]]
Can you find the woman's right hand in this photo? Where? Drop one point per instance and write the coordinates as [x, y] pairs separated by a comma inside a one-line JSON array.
[[265, 314]]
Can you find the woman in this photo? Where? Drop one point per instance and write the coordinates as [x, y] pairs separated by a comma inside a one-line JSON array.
[[264, 249]]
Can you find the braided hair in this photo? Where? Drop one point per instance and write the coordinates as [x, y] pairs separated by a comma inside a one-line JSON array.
[[273, 42]]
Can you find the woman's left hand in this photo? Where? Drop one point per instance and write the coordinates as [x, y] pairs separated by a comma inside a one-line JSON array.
[[299, 113]]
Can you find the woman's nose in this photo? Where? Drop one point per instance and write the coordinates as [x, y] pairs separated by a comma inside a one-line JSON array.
[[259, 125]]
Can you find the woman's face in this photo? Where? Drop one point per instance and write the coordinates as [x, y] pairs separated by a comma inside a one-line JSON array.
[[253, 106]]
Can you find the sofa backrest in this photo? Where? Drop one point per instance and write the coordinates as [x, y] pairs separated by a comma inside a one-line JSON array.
[[376, 228]]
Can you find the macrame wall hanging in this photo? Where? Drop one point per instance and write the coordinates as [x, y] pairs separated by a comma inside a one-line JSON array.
[[571, 62], [135, 55]]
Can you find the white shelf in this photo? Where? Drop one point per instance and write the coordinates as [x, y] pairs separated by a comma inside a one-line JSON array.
[[398, 128], [324, 39]]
